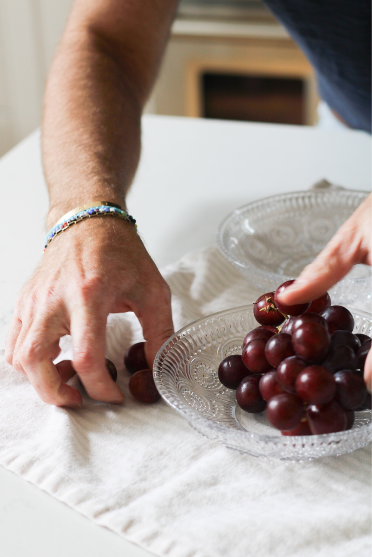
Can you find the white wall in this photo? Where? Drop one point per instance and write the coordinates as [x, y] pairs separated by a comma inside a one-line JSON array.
[[29, 33]]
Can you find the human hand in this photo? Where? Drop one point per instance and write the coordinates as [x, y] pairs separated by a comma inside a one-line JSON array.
[[350, 245], [97, 267]]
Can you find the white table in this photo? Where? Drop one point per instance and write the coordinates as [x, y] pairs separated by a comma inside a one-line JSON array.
[[192, 173]]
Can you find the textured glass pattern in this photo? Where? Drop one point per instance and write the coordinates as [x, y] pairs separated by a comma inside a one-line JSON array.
[[272, 240], [185, 372]]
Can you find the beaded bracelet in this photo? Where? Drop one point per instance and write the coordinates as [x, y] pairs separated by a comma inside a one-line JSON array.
[[94, 209]]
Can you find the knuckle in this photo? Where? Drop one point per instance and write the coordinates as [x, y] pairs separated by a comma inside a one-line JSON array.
[[30, 351], [83, 361], [163, 292], [91, 286]]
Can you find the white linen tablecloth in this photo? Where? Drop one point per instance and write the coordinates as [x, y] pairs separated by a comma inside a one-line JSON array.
[[143, 472]]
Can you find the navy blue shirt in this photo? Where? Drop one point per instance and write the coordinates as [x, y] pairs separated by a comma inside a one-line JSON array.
[[335, 35]]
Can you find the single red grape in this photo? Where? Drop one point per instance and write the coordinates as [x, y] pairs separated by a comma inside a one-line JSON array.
[[362, 353], [266, 312], [254, 356], [345, 338], [269, 385], [135, 358], [278, 348], [340, 357], [142, 386], [302, 429], [316, 385], [285, 411], [232, 371], [362, 337], [260, 332], [65, 370], [320, 304], [338, 318], [308, 318], [248, 395], [311, 342], [287, 372], [328, 418], [288, 325], [111, 369], [296, 309], [367, 404], [351, 390], [350, 417]]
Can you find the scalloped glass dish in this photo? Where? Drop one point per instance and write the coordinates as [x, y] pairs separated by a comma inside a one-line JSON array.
[[186, 375], [273, 239]]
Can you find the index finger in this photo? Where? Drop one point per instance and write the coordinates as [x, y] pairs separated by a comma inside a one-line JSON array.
[[36, 354]]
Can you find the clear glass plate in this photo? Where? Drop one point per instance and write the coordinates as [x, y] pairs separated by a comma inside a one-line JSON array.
[[272, 240], [186, 375]]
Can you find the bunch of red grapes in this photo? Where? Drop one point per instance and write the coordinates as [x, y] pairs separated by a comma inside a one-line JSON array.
[[303, 364]]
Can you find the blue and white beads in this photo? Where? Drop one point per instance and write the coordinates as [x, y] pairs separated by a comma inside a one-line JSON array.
[[87, 213]]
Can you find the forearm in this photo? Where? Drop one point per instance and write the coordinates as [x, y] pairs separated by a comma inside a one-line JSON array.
[[90, 131], [94, 98]]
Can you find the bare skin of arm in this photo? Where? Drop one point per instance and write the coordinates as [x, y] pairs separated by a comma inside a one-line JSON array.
[[352, 244], [100, 79]]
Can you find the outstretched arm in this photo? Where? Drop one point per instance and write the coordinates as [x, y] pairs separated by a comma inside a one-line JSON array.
[[100, 79], [352, 244]]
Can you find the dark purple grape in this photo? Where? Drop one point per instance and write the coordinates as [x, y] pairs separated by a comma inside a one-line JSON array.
[[260, 332], [362, 337], [135, 358], [266, 312], [308, 318], [302, 429], [288, 371], [288, 325], [296, 309], [350, 417], [351, 390], [316, 385], [269, 385], [232, 371], [111, 369], [311, 342], [367, 404], [65, 370], [248, 395], [328, 418], [285, 411], [254, 356], [338, 318], [340, 357], [362, 354], [278, 348], [142, 386], [320, 304], [345, 338]]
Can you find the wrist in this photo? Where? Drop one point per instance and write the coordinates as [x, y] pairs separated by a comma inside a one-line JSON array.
[[93, 209], [58, 210]]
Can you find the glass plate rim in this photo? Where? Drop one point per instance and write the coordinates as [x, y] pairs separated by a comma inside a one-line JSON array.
[[307, 193], [195, 419]]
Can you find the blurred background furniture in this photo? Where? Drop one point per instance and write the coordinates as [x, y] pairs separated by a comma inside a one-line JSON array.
[[227, 59]]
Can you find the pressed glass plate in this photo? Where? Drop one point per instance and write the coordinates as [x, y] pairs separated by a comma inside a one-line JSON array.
[[273, 239], [186, 375]]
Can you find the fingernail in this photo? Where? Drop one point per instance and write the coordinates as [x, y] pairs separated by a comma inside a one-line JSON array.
[[73, 405]]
